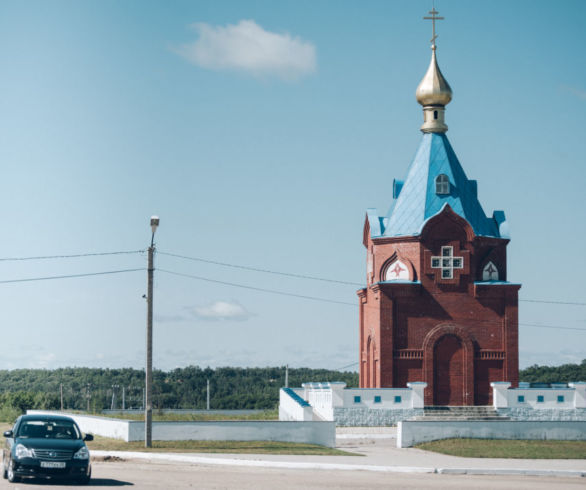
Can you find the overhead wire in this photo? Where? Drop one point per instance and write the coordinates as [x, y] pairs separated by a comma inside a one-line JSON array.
[[257, 269], [236, 266], [323, 279], [70, 276], [327, 300], [254, 288], [347, 366], [70, 256], [227, 283]]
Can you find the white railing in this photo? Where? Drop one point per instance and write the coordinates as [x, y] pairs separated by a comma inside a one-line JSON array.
[[574, 396]]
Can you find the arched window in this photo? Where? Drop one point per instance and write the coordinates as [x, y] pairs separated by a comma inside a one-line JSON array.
[[435, 114], [442, 184]]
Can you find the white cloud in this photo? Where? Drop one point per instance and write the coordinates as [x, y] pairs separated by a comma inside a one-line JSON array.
[[247, 47], [581, 94], [222, 310]]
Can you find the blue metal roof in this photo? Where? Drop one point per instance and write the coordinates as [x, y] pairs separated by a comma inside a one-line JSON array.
[[416, 199]]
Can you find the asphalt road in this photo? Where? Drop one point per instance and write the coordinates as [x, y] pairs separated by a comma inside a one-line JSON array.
[[161, 475]]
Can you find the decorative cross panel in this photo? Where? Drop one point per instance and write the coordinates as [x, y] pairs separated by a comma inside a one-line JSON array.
[[447, 262], [449, 265]]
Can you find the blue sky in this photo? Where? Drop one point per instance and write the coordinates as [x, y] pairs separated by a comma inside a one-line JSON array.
[[260, 132]]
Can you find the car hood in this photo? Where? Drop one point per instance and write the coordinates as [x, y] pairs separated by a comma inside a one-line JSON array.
[[71, 444]]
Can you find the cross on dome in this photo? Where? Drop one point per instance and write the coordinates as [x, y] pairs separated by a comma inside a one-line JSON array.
[[433, 18], [433, 92]]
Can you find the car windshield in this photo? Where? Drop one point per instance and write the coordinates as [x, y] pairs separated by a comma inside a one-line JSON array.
[[48, 429]]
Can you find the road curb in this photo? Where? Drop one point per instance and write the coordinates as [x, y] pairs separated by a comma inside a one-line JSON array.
[[511, 472], [203, 460]]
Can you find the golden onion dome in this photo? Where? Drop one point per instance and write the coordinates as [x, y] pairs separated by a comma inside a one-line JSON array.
[[433, 90]]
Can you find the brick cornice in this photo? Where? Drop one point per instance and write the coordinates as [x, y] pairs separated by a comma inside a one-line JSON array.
[[492, 290], [397, 289]]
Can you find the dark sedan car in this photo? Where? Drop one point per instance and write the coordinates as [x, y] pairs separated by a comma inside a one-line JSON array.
[[46, 446]]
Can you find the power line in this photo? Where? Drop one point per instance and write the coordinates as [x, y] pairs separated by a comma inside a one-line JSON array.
[[552, 302], [235, 266], [70, 276], [71, 256], [254, 288], [326, 300], [323, 279], [256, 269], [557, 327], [347, 366]]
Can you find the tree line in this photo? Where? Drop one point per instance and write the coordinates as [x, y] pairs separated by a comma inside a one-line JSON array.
[[93, 389]]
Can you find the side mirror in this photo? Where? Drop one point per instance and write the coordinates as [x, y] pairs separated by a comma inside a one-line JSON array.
[[8, 433], [88, 437]]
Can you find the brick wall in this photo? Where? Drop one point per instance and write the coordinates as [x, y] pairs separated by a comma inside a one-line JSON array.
[[403, 324]]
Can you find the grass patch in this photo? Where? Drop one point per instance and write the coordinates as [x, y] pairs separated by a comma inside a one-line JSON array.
[[243, 447], [492, 448], [196, 417]]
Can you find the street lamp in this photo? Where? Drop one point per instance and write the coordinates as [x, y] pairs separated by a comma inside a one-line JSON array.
[[148, 406]]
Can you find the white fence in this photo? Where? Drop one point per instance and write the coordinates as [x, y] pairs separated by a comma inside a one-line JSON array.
[[323, 400], [322, 433], [410, 433], [572, 397]]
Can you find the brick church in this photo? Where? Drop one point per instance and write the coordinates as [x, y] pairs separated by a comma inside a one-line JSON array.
[[437, 306]]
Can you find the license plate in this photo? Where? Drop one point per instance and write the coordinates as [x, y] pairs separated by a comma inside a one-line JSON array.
[[52, 464]]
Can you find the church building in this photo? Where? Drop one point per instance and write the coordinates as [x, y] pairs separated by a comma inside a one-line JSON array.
[[437, 306]]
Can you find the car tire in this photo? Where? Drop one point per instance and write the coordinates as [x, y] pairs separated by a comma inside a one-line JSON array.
[[84, 480], [12, 478]]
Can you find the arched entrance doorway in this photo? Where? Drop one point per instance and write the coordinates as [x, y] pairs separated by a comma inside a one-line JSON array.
[[449, 367]]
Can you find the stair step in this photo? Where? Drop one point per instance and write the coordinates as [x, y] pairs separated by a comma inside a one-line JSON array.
[[451, 419], [464, 413]]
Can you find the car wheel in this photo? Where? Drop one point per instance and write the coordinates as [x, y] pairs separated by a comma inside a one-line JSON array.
[[84, 480], [12, 478]]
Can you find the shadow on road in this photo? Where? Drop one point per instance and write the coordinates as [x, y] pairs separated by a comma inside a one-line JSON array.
[[108, 482], [94, 482]]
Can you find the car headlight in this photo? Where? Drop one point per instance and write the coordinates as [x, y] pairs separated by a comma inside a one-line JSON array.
[[21, 451], [83, 453]]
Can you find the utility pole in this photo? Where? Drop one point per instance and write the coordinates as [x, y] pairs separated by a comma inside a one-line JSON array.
[[61, 393], [123, 399], [208, 397], [287, 376], [113, 405], [88, 395], [148, 415]]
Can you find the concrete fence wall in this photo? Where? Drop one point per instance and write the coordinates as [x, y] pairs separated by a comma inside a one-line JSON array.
[[322, 433], [410, 433], [386, 406], [355, 406], [532, 404]]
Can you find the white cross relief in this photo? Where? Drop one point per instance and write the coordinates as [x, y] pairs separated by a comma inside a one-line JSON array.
[[490, 272], [447, 262]]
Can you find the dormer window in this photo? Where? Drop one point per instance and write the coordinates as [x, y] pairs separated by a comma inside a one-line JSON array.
[[442, 185]]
